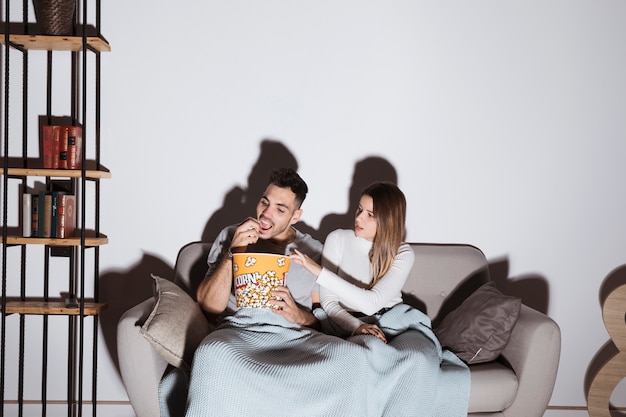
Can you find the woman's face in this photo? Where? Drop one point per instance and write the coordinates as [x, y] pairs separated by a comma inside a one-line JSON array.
[[365, 222]]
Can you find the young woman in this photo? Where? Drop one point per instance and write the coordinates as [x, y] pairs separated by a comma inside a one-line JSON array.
[[363, 270]]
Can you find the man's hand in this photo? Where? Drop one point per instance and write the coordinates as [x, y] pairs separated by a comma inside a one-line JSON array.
[[247, 233], [290, 310]]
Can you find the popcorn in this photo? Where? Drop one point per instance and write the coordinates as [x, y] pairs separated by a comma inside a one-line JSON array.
[[256, 275]]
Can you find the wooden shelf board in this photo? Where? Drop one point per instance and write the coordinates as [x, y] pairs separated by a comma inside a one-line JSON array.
[[53, 308], [72, 241], [56, 43], [69, 173]]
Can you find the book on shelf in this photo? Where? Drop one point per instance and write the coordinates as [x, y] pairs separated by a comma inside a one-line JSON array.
[[40, 213], [66, 216], [35, 215], [47, 215], [74, 147], [50, 213], [62, 147], [54, 213], [63, 139], [27, 214], [47, 139]]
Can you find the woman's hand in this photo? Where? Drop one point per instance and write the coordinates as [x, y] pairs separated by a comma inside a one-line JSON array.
[[308, 263], [371, 329]]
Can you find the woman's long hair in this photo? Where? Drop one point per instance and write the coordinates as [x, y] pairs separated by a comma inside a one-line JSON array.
[[390, 213]]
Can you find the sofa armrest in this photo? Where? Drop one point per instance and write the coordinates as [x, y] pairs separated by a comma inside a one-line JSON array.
[[533, 351], [141, 366]]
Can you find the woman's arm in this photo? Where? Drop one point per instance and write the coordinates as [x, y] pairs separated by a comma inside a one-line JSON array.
[[369, 301], [328, 300]]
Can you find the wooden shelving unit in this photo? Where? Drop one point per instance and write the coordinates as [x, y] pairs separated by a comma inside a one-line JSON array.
[[52, 308], [78, 255], [67, 173], [56, 43], [70, 241]]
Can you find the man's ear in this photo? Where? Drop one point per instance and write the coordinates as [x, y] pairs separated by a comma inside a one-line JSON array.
[[296, 216]]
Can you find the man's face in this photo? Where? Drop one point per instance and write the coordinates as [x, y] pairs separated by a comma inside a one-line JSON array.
[[276, 212]]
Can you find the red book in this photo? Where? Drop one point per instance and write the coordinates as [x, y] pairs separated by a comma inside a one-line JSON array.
[[55, 146], [47, 215], [66, 216], [48, 133], [74, 148], [63, 146]]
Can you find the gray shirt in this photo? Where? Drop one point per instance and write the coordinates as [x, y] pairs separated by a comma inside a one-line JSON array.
[[300, 283]]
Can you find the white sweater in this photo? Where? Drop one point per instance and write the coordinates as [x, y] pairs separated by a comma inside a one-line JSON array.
[[347, 272]]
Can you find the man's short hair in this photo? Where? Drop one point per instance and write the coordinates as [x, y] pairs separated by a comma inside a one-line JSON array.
[[288, 178]]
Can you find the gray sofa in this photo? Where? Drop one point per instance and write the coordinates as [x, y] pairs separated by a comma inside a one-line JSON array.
[[518, 384]]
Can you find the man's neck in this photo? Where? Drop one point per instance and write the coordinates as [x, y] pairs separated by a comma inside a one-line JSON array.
[[289, 237]]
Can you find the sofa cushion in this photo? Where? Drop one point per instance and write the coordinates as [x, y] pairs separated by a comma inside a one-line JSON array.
[[481, 326], [176, 325]]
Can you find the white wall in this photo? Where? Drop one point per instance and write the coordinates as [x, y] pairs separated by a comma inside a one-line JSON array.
[[504, 121]]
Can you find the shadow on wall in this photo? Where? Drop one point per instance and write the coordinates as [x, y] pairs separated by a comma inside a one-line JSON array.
[[241, 203], [532, 289], [122, 290], [366, 171], [614, 280], [125, 289]]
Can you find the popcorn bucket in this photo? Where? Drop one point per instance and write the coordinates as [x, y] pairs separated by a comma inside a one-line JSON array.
[[256, 275]]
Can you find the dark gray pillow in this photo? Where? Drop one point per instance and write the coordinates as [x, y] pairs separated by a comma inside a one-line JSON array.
[[176, 325], [481, 326]]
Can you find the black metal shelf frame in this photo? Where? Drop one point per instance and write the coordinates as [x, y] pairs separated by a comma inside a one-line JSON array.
[[76, 256]]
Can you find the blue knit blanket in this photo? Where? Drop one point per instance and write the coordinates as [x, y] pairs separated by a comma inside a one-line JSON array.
[[258, 364]]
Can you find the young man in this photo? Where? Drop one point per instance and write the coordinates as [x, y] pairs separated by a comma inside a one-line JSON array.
[[271, 231]]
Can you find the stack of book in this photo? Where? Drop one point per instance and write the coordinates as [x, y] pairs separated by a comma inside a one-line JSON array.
[[62, 147], [48, 214]]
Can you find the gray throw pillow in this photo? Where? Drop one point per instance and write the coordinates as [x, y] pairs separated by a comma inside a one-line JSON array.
[[478, 330], [176, 325]]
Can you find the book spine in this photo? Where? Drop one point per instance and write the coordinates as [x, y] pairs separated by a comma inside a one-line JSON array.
[[63, 146], [47, 139], [56, 138], [67, 215], [27, 215], [47, 215], [35, 216], [74, 151], [54, 219], [61, 213], [40, 213]]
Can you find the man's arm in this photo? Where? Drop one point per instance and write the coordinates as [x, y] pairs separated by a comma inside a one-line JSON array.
[[215, 289]]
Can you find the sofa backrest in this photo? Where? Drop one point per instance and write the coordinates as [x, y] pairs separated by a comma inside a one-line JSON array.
[[443, 275], [191, 265]]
